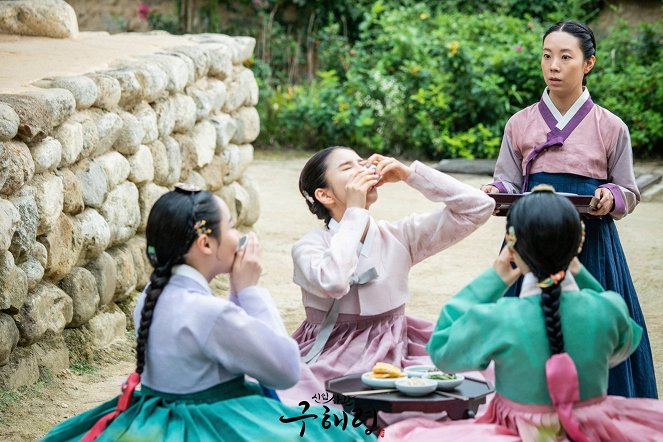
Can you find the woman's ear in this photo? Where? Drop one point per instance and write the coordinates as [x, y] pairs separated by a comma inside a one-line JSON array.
[[202, 245], [589, 64], [324, 196]]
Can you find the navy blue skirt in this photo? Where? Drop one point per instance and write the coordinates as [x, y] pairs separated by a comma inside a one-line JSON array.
[[604, 257]]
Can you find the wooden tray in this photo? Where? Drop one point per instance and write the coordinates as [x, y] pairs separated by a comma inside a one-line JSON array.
[[503, 201]]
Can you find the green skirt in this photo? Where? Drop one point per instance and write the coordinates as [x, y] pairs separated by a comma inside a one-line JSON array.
[[233, 411]]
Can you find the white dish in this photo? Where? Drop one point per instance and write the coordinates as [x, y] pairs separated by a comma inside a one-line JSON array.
[[423, 387], [448, 384], [377, 382], [419, 371]]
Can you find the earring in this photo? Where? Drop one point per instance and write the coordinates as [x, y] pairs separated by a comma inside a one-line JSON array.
[[582, 237], [511, 238]]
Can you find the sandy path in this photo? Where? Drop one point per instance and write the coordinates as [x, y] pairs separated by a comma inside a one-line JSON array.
[[284, 218]]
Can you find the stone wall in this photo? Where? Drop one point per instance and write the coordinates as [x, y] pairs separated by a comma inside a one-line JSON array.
[[82, 160]]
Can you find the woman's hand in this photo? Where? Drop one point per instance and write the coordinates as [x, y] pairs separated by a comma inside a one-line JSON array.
[[246, 268], [489, 188], [606, 201], [389, 169], [358, 186], [503, 267]]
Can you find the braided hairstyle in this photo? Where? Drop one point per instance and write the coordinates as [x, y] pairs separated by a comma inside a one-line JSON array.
[[313, 177], [584, 35], [548, 231], [171, 230]]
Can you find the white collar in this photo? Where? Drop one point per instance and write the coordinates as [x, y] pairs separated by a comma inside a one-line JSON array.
[[190, 272], [365, 247], [563, 120], [529, 287]]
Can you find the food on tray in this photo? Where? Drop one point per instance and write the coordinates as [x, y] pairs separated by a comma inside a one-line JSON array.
[[382, 370], [441, 376], [413, 382]]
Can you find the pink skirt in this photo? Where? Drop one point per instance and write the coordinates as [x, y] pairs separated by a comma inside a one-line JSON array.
[[603, 419], [355, 345]]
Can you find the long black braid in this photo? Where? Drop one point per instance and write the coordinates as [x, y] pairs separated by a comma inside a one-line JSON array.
[[175, 221], [547, 228]]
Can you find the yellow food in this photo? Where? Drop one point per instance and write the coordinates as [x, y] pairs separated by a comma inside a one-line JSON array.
[[382, 370]]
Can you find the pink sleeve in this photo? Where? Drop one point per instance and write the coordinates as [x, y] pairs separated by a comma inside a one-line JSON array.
[[326, 270], [465, 209], [508, 176], [621, 176]]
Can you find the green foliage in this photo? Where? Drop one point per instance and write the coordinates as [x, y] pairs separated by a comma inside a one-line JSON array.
[[82, 367]]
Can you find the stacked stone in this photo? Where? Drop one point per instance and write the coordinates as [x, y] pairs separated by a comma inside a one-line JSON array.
[[82, 162]]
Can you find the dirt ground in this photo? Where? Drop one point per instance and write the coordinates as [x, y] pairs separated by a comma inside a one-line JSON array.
[[284, 218]]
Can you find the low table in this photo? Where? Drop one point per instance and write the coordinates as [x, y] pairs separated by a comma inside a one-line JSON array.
[[460, 403]]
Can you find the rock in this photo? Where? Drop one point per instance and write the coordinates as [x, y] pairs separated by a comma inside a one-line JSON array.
[[46, 312], [109, 128], [13, 284], [9, 333], [203, 101], [213, 174], [126, 272], [33, 270], [122, 211], [73, 195], [80, 285], [148, 194], [174, 156], [41, 18], [131, 87], [236, 159], [108, 91], [104, 270], [225, 127], [160, 162], [197, 54], [93, 180], [25, 237], [246, 46], [165, 110], [185, 112], [141, 166], [106, 328], [63, 244], [95, 234], [40, 111], [248, 125], [229, 194], [178, 71], [220, 61], [20, 371], [46, 154], [82, 88], [237, 94], [52, 355], [148, 120], [137, 246], [70, 136], [9, 122], [216, 89], [250, 211], [249, 81], [131, 134], [49, 196], [245, 157], [152, 78], [204, 142], [41, 254], [188, 152], [116, 168], [127, 306], [9, 220], [88, 121], [197, 179], [16, 166]]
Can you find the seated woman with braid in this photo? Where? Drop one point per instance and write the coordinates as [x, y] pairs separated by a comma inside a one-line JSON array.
[[552, 346], [194, 349]]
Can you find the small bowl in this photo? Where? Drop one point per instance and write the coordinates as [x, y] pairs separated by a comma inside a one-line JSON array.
[[419, 371], [377, 382], [422, 388], [448, 384]]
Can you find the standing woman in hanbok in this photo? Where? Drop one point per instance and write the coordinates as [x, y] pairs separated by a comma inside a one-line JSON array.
[[577, 146], [353, 271]]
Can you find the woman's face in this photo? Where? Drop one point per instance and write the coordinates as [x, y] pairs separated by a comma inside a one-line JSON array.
[[342, 165], [563, 64]]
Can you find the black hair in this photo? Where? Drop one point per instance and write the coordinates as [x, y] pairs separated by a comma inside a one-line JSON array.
[[172, 226], [313, 177], [584, 35], [548, 229]]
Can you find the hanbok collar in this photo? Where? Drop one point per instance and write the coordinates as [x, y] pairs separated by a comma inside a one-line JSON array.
[[189, 272], [363, 248], [563, 120], [529, 287]]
